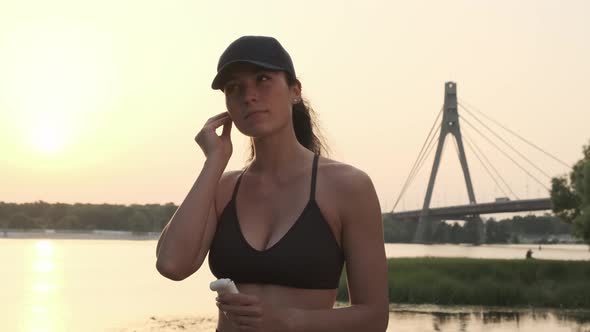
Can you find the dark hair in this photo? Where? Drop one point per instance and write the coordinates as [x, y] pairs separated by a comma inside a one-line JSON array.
[[305, 125]]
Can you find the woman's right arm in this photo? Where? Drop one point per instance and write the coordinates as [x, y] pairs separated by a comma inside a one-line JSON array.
[[186, 239]]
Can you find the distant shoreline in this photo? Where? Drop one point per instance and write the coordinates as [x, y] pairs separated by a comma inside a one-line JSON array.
[[51, 234], [97, 234]]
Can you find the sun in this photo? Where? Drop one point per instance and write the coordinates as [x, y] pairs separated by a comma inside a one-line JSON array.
[[56, 84], [48, 138], [50, 96]]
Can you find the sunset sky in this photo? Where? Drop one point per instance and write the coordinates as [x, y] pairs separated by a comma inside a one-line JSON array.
[[100, 100]]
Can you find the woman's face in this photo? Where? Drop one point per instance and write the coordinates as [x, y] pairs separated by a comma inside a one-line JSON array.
[[259, 101]]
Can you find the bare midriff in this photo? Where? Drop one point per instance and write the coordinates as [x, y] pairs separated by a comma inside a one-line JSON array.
[[283, 297]]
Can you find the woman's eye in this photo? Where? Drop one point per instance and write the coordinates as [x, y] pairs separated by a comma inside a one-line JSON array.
[[263, 77], [230, 87]]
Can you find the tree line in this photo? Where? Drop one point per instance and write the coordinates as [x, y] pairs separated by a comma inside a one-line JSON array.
[[61, 216], [510, 230], [153, 218]]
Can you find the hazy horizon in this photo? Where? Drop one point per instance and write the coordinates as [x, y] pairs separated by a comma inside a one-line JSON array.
[[100, 101]]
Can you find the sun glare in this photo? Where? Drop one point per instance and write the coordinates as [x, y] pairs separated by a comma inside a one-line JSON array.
[[48, 137], [56, 82]]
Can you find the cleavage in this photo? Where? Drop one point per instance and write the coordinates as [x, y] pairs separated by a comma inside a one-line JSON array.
[[266, 216]]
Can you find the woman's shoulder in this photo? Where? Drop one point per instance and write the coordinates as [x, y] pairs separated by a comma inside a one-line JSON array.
[[230, 176], [343, 177], [346, 191], [228, 180], [225, 188]]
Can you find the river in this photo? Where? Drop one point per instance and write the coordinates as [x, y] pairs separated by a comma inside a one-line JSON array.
[[54, 285]]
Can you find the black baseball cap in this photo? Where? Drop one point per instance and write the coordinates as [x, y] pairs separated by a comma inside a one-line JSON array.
[[262, 51]]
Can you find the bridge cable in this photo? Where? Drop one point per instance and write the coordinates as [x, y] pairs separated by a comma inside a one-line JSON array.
[[423, 155], [406, 184], [472, 142], [475, 149], [417, 170], [503, 152], [508, 144], [426, 154], [515, 134], [486, 169], [414, 170]]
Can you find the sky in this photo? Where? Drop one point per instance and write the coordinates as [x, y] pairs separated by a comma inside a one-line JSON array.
[[100, 101]]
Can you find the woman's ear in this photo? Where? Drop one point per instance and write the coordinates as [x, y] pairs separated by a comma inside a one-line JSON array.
[[296, 90]]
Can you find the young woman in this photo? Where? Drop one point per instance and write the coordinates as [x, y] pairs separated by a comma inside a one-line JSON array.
[[283, 228]]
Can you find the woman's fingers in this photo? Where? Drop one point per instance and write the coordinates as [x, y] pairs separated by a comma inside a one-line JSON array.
[[217, 117], [226, 129], [220, 115], [217, 122], [241, 310], [212, 144], [238, 299]]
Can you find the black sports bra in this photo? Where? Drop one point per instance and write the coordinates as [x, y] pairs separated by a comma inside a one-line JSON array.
[[308, 255]]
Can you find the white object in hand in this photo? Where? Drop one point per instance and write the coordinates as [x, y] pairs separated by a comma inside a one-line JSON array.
[[223, 286]]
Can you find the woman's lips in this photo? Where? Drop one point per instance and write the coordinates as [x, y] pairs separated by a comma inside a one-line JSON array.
[[251, 113]]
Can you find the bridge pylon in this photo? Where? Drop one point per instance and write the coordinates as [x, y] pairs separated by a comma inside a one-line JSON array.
[[449, 125]]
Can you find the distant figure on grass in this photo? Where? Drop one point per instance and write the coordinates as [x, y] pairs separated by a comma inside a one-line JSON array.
[[283, 227], [529, 254]]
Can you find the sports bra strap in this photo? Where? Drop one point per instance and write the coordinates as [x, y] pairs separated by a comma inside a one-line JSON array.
[[314, 173], [233, 197]]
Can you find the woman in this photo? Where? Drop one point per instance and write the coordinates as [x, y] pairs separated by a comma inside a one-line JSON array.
[[282, 228]]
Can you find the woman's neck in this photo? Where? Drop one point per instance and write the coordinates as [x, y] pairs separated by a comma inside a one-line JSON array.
[[279, 154]]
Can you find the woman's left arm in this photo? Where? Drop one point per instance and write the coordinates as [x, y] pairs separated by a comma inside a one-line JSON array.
[[366, 266]]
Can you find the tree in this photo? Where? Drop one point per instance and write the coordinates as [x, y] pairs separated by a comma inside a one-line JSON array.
[[571, 199], [139, 222], [497, 232], [21, 221]]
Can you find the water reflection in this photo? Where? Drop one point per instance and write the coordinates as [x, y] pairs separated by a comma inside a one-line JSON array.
[[471, 319], [76, 285], [496, 317], [42, 308], [439, 319], [581, 317]]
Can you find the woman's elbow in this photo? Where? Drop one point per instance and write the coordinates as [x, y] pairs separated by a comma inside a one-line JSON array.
[[384, 322], [171, 271], [381, 318]]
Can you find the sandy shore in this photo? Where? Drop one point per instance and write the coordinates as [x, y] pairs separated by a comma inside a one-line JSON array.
[[171, 323]]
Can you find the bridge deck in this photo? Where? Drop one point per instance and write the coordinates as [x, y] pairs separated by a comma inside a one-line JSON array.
[[458, 211]]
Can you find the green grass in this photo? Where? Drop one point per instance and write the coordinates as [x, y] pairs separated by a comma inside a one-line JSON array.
[[463, 281]]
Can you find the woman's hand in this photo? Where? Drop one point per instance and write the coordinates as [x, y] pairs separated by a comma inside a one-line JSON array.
[[213, 145], [248, 314]]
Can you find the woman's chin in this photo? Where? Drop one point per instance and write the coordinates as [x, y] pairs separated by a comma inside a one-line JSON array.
[[256, 131]]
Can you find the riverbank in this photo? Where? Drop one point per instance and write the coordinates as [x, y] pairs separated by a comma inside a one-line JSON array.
[[406, 318], [489, 282], [171, 323], [51, 234]]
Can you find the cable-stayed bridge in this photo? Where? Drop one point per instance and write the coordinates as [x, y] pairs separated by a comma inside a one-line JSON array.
[[458, 212], [428, 217]]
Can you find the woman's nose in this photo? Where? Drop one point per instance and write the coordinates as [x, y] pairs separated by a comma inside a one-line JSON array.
[[250, 93]]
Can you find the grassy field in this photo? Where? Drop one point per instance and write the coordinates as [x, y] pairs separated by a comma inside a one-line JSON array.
[[498, 282]]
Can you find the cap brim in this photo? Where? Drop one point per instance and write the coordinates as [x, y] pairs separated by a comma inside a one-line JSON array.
[[221, 76]]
